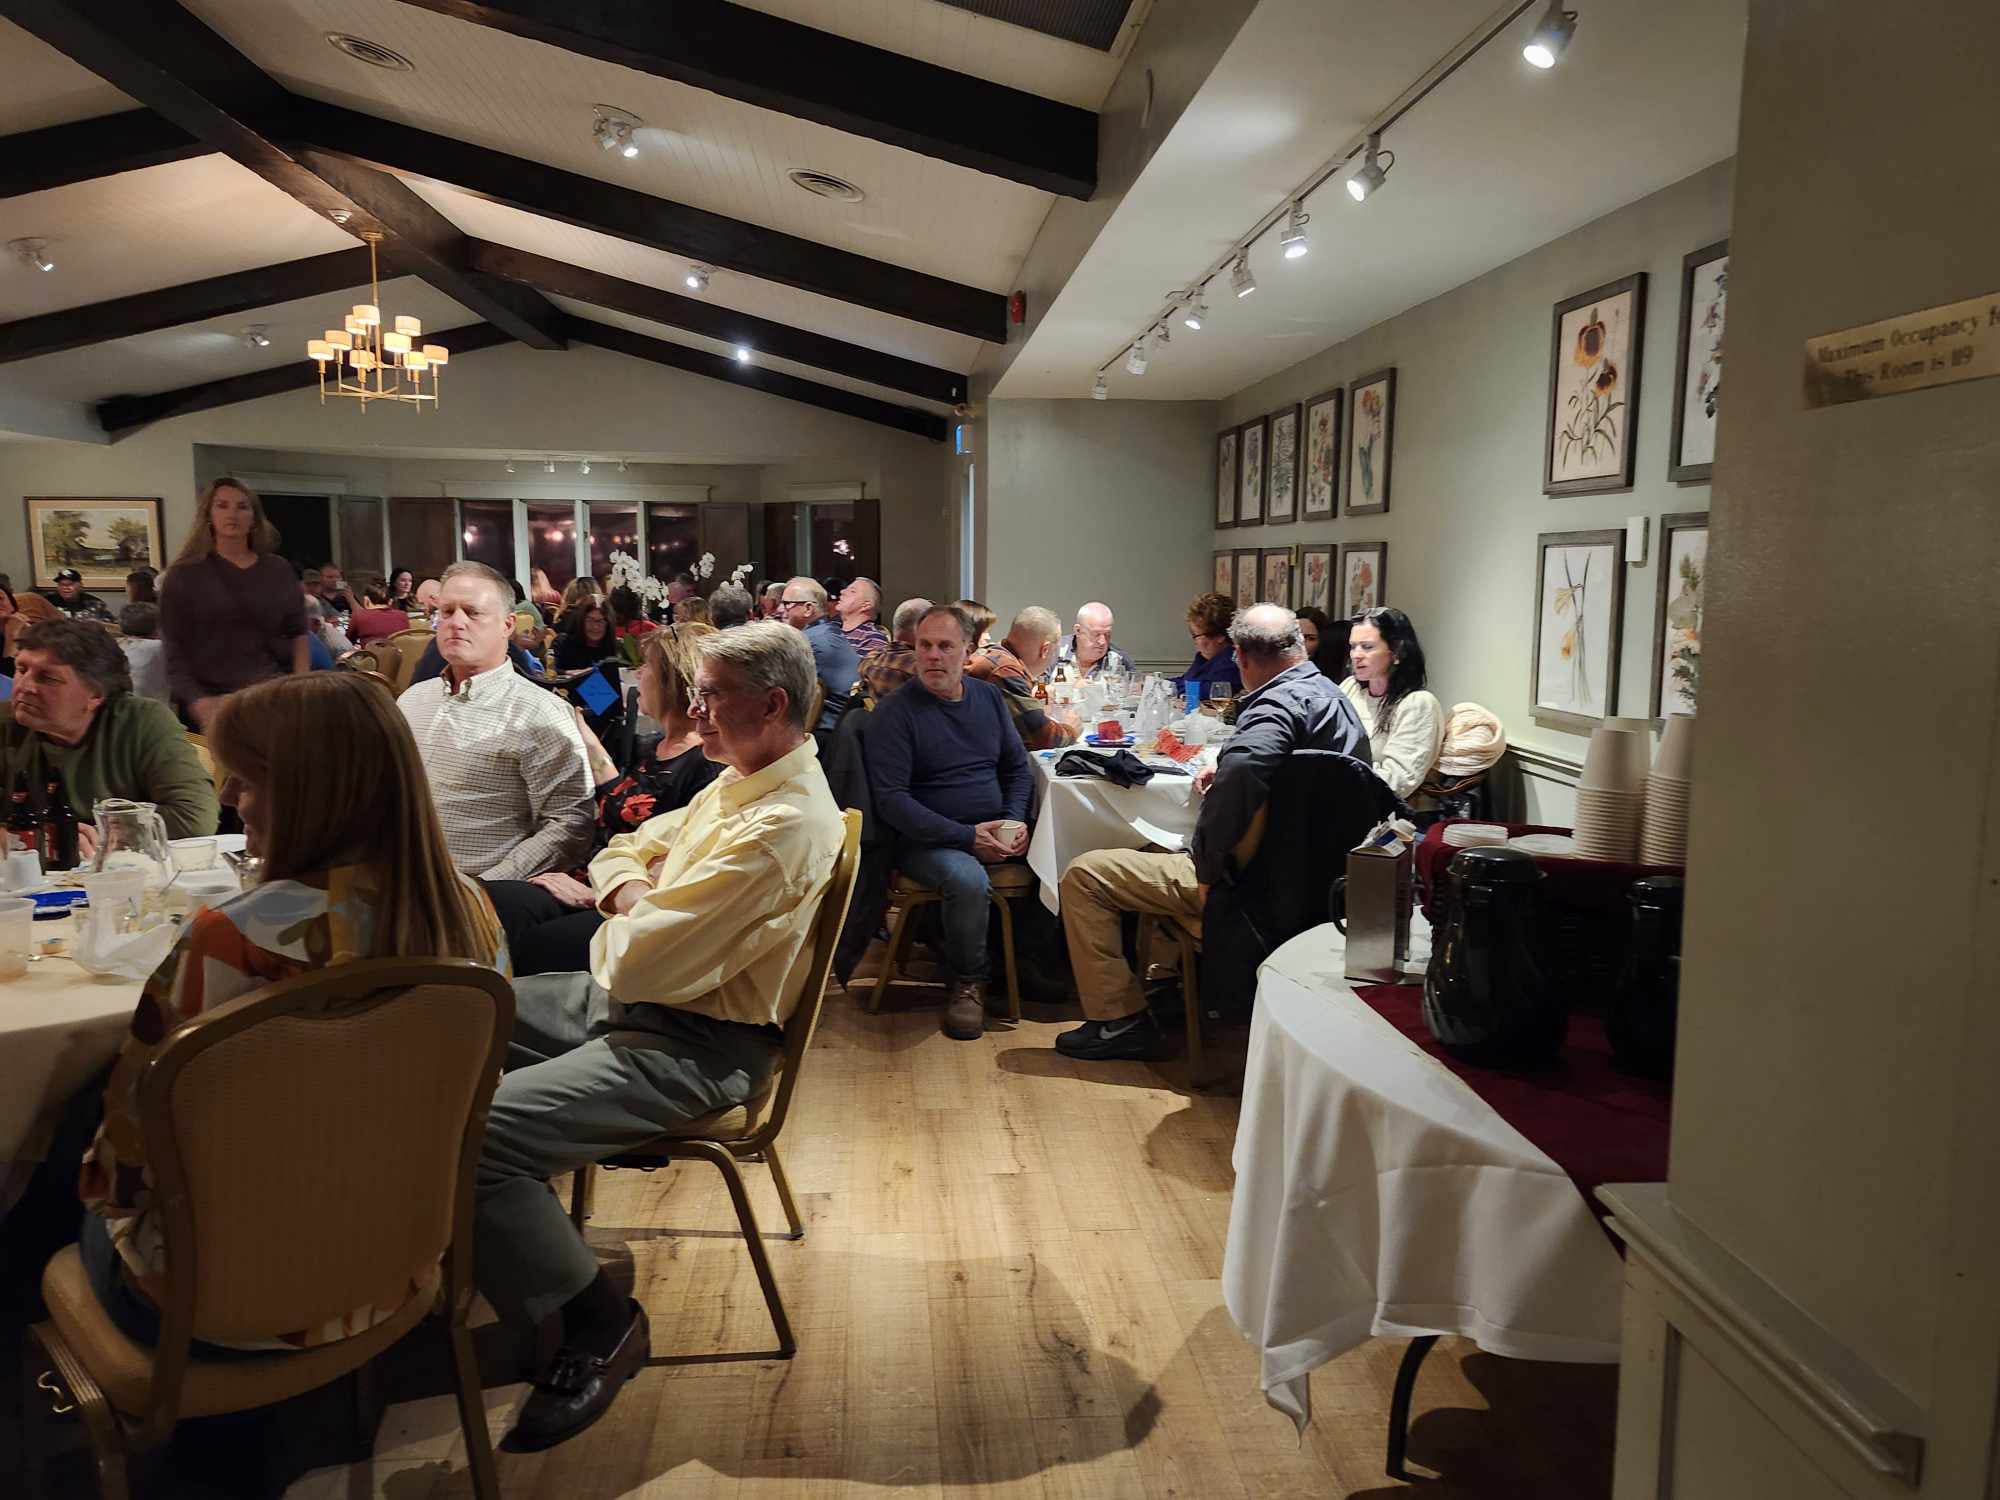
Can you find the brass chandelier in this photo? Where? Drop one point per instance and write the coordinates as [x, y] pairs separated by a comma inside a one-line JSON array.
[[371, 363]]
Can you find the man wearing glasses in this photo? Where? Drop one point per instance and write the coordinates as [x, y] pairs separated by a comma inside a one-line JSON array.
[[803, 607]]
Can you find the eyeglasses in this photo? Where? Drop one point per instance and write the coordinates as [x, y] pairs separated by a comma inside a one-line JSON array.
[[799, 603]]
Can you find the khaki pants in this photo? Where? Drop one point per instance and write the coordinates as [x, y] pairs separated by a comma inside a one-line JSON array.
[[1096, 888]]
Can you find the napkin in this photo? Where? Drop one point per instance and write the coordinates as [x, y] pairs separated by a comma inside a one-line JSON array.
[[127, 955]]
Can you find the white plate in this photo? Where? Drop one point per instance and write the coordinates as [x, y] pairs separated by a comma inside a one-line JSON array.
[[1543, 843]]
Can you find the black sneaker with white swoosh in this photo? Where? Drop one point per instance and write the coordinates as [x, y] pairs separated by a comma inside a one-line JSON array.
[[1135, 1037]]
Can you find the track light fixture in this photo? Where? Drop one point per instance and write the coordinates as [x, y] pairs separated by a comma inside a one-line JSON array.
[[616, 130], [1293, 240], [33, 253], [1162, 334], [1135, 357], [1241, 281], [584, 467], [1099, 391], [1195, 311], [255, 336], [1551, 36], [696, 279], [510, 466], [1373, 171], [548, 466], [621, 466]]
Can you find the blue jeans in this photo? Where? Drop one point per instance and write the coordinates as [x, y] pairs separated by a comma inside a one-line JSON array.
[[961, 879]]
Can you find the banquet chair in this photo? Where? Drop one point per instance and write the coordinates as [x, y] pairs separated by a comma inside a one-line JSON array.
[[906, 896], [409, 646], [1186, 939], [749, 1131], [207, 758], [311, 1143]]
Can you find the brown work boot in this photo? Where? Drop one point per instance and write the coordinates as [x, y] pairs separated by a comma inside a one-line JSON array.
[[965, 1010]]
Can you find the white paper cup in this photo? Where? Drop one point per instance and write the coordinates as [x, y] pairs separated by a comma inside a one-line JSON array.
[[1676, 758], [17, 935], [22, 870], [1617, 760]]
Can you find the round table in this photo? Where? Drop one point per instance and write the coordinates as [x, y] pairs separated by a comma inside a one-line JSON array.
[[1076, 814]]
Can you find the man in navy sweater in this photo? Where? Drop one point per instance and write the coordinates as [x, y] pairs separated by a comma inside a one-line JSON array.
[[949, 775]]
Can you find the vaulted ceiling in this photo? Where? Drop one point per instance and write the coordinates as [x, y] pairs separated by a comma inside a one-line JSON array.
[[198, 168]]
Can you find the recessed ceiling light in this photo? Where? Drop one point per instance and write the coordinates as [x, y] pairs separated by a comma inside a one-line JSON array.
[[743, 354], [696, 279], [373, 53], [616, 129], [825, 185]]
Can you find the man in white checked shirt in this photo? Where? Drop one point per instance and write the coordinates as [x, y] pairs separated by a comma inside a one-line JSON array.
[[504, 758]]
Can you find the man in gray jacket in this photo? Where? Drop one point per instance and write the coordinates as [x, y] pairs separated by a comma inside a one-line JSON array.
[[1286, 705]]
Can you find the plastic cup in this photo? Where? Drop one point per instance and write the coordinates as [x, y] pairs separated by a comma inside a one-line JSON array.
[[17, 935], [194, 854], [22, 871], [114, 895]]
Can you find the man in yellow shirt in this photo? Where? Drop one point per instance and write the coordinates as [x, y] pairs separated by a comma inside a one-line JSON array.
[[701, 959]]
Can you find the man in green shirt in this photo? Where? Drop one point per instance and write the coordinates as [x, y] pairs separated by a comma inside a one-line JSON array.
[[74, 719]]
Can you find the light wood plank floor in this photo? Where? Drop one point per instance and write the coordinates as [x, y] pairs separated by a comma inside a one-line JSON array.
[[1009, 1287]]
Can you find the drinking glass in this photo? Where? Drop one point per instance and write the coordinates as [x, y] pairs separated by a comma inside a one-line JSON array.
[[17, 926], [1219, 694]]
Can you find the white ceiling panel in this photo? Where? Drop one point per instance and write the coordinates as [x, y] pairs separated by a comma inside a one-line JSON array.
[[766, 299], [1499, 159], [213, 350], [522, 97], [157, 227], [818, 376], [43, 87]]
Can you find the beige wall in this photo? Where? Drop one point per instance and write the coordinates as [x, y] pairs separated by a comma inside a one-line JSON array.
[[1466, 502]]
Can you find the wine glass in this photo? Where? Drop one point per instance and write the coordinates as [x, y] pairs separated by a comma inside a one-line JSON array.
[[1218, 695]]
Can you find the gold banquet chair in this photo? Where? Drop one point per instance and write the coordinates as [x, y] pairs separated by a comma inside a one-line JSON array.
[[749, 1131], [311, 1143], [906, 895]]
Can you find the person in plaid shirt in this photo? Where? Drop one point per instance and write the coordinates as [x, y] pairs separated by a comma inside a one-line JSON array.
[[894, 662]]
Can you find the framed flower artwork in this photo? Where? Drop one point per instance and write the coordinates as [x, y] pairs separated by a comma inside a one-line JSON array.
[[1225, 574], [1371, 441], [1319, 487], [1274, 567], [1593, 415], [1364, 577], [1677, 613], [1225, 479], [1316, 579], [1579, 612], [1281, 502], [1247, 578], [1251, 472], [1698, 362]]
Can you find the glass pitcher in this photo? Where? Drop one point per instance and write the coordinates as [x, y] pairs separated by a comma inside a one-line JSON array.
[[132, 836]]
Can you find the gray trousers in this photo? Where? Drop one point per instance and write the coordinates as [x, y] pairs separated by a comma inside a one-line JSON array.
[[578, 1090]]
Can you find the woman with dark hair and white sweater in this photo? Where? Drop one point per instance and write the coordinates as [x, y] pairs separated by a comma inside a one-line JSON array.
[[1405, 724]]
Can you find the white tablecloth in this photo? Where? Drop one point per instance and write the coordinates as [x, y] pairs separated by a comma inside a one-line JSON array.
[[1076, 814], [58, 1026], [1376, 1194]]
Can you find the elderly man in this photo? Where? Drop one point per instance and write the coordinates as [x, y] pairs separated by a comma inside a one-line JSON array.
[[895, 661], [1015, 664], [729, 606], [770, 598], [504, 758], [703, 956], [1088, 650], [804, 606], [951, 780], [70, 597], [858, 605], [74, 720], [1286, 705]]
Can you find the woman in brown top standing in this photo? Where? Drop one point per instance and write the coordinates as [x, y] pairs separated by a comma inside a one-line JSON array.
[[231, 613]]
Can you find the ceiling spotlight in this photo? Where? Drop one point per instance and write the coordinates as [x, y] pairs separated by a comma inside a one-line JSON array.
[[697, 278], [1293, 240], [1099, 391], [584, 467], [33, 253], [616, 129], [743, 354], [510, 466], [255, 336], [1552, 34], [1240, 280], [1162, 334], [1373, 171], [548, 466], [1135, 357], [621, 466], [1196, 310]]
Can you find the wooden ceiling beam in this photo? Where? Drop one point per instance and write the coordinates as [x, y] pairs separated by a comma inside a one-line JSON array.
[[33, 161], [794, 69]]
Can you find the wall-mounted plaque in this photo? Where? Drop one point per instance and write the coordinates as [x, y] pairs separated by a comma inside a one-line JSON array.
[[1937, 346]]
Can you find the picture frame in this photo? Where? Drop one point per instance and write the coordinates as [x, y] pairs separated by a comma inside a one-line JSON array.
[[1281, 489], [1225, 574], [1579, 619], [1371, 441], [1596, 339], [1225, 479], [1362, 579], [1275, 567], [1251, 471], [1698, 362], [1247, 577], [1321, 456], [103, 538], [1316, 574], [1678, 606]]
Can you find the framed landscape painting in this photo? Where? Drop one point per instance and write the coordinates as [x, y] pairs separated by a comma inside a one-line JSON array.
[[1371, 442], [1250, 472], [1316, 580], [1225, 479], [1281, 503], [102, 539], [1320, 481], [1275, 570], [1579, 609], [1225, 574], [1364, 577], [1677, 613], [1698, 362], [1247, 579], [1593, 415]]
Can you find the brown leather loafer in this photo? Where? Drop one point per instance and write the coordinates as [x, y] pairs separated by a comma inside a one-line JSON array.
[[965, 1011], [579, 1388]]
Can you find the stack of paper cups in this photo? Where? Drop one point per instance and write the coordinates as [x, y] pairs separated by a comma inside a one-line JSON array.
[[1611, 798], [1663, 838]]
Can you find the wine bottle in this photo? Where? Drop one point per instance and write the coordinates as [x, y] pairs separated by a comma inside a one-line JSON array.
[[59, 837], [24, 829]]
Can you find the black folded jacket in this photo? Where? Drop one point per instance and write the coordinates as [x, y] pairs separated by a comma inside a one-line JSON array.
[[1122, 769]]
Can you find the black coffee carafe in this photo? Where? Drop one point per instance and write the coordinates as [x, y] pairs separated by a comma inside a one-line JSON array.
[[1646, 1006], [1486, 998]]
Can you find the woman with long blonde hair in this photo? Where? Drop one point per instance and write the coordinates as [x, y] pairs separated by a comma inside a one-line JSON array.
[[231, 613], [335, 888]]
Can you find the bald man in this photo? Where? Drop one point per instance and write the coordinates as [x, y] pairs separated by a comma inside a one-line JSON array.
[[1088, 650], [895, 661]]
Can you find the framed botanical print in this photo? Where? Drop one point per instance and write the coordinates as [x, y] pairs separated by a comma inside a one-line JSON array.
[[1593, 415], [1251, 471], [1225, 574], [1281, 502], [1698, 362], [1371, 441], [1579, 615], [1677, 613], [102, 539], [1316, 579], [1364, 577], [1274, 567], [1319, 487], [1247, 577], [1225, 479]]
